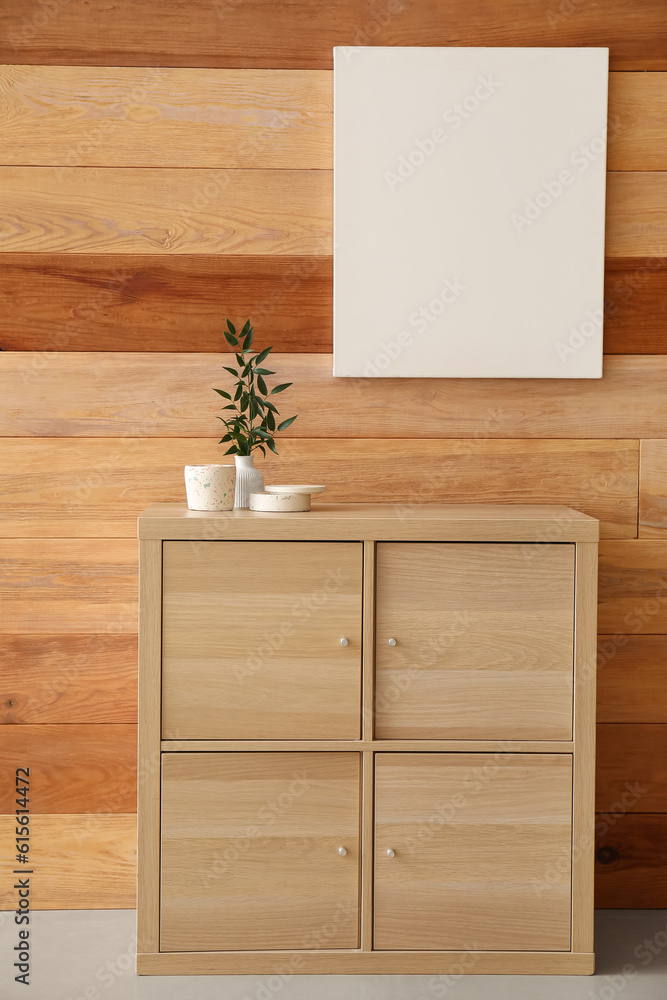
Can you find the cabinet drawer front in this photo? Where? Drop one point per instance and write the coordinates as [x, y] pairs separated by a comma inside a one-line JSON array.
[[483, 641], [250, 851], [481, 852], [252, 640]]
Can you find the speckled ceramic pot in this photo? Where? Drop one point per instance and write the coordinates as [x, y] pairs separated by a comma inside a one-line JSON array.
[[210, 487]]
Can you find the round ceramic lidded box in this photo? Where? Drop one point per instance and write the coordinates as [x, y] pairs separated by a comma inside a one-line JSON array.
[[210, 487], [283, 503], [284, 499]]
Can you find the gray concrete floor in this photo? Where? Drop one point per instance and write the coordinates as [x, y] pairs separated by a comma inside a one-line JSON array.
[[89, 955]]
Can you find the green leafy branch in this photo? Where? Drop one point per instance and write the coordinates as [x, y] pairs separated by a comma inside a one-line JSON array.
[[254, 422]]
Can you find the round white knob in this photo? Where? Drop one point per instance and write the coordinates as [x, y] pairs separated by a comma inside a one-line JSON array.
[[344, 642], [391, 854], [342, 852], [392, 642]]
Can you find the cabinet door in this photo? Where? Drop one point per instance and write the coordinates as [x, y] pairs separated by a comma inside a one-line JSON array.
[[252, 640], [251, 854], [481, 852], [483, 641]]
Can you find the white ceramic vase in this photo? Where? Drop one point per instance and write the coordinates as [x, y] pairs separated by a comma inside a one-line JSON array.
[[210, 487], [248, 480]]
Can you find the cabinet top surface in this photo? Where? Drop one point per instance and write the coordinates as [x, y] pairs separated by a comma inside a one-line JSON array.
[[398, 521]]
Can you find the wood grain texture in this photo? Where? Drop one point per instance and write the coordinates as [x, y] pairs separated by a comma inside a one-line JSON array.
[[329, 962], [263, 33], [148, 756], [73, 768], [165, 117], [150, 302], [630, 868], [170, 395], [631, 768], [172, 211], [653, 489], [633, 587], [96, 488], [71, 585], [153, 302], [336, 522], [227, 674], [484, 641], [250, 854], [636, 223], [635, 294], [157, 117], [86, 862], [57, 679], [632, 678], [280, 212], [366, 846], [389, 746], [473, 838], [637, 121], [583, 763], [368, 653]]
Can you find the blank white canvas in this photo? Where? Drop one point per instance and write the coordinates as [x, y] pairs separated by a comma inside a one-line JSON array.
[[469, 192]]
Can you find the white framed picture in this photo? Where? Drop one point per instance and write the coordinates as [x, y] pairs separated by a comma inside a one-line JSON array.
[[469, 194]]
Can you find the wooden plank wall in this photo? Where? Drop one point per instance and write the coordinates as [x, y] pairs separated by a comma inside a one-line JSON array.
[[166, 164]]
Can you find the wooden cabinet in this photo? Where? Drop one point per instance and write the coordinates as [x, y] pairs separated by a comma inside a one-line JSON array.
[[483, 641], [366, 740], [259, 850]]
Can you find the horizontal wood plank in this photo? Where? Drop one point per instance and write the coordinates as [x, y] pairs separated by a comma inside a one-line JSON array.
[[56, 679], [166, 395], [171, 211], [633, 587], [631, 869], [653, 489], [68, 585], [150, 302], [83, 487], [73, 768], [631, 768], [635, 295], [637, 121], [86, 862], [300, 34], [281, 212], [636, 214], [115, 116], [632, 678]]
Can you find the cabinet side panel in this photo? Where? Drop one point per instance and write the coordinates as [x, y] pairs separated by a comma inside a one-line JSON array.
[[583, 822], [148, 764]]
